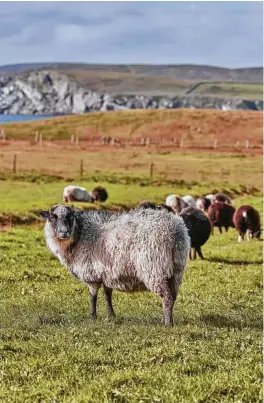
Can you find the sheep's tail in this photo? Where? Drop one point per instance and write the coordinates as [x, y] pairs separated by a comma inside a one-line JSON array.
[[245, 220]]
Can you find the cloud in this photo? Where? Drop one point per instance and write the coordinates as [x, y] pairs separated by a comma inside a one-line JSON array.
[[216, 33]]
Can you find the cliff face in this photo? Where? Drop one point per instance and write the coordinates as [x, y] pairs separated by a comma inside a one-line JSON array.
[[52, 93]]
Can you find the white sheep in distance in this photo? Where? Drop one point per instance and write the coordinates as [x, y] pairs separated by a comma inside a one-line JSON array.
[[76, 193], [189, 200], [176, 202], [139, 250]]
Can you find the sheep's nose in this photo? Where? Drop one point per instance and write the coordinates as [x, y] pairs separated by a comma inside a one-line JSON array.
[[64, 234]]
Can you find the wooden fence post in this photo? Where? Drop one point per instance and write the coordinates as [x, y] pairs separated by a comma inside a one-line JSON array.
[[112, 141], [181, 143], [215, 143], [151, 166], [81, 168], [72, 138], [247, 144], [148, 142], [14, 163], [40, 139], [36, 137], [77, 140]]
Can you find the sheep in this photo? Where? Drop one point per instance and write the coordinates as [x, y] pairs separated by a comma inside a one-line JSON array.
[[247, 221], [99, 193], [142, 249], [203, 203], [189, 200], [163, 206], [222, 197], [146, 204], [210, 197], [176, 203], [220, 215], [76, 193], [199, 228]]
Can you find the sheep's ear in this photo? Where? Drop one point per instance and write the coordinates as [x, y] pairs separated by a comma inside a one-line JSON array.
[[44, 214]]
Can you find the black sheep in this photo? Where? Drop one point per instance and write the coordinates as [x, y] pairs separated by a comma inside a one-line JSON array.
[[147, 204], [199, 228]]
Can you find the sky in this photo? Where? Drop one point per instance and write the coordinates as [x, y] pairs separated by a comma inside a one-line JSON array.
[[226, 34]]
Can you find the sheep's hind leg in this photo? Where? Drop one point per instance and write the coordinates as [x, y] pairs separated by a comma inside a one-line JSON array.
[[168, 291], [108, 298], [199, 251], [248, 235], [93, 290]]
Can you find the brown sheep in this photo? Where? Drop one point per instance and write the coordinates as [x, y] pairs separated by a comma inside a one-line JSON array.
[[221, 197], [221, 215], [247, 221]]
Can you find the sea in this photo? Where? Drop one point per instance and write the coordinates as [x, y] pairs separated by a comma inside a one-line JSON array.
[[22, 118]]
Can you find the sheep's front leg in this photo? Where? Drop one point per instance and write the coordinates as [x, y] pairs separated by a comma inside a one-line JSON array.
[[93, 290], [108, 298]]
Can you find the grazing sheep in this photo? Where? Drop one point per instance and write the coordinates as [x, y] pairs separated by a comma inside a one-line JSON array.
[[146, 204], [203, 203], [221, 215], [76, 193], [176, 203], [221, 197], [99, 193], [189, 200], [247, 221], [199, 228], [163, 206], [143, 249], [210, 197]]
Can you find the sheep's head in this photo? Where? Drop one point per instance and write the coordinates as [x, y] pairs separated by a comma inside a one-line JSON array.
[[163, 206], [62, 221]]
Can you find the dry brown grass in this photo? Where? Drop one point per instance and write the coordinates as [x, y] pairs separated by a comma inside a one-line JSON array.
[[189, 166], [197, 128], [194, 126]]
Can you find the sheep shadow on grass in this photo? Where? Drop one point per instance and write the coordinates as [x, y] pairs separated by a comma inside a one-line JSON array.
[[222, 321], [234, 262]]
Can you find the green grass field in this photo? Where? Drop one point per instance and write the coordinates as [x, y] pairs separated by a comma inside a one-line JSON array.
[[52, 352], [228, 89]]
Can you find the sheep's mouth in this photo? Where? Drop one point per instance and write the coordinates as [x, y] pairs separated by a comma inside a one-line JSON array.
[[63, 237]]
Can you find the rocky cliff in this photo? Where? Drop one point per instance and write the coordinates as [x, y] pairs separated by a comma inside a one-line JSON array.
[[47, 92]]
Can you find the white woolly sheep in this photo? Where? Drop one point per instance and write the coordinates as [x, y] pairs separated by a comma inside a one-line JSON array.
[[142, 249], [176, 203], [189, 200], [76, 193]]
